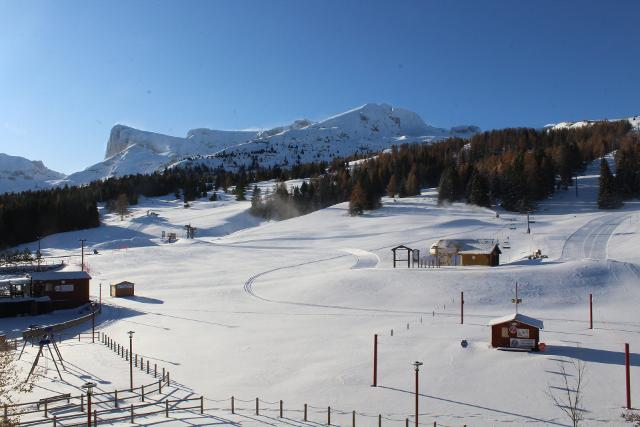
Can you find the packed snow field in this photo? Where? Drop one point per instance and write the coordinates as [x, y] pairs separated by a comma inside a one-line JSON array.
[[287, 310]]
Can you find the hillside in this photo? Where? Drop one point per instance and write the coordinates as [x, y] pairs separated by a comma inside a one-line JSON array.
[[287, 310]]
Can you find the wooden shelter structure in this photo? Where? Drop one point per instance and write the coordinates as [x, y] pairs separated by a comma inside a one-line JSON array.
[[122, 289], [516, 331], [395, 255]]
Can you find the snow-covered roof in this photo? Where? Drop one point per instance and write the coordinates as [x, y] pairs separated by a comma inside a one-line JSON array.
[[59, 275], [465, 246], [518, 317], [124, 282]]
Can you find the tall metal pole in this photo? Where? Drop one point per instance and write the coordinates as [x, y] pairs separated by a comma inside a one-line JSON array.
[[39, 256], [417, 370], [375, 360], [628, 378], [590, 311], [93, 325], [82, 259], [461, 308]]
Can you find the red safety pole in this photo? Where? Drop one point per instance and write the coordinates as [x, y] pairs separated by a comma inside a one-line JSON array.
[[590, 311], [375, 360], [626, 362], [461, 308]]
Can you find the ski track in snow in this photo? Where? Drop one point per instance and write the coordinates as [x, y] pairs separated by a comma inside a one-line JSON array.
[[591, 240]]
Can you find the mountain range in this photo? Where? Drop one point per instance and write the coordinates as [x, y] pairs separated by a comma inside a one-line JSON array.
[[369, 128]]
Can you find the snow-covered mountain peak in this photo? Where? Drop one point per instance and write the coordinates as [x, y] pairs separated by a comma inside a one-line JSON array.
[[20, 174]]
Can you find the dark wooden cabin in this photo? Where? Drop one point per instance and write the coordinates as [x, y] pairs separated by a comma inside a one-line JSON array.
[[66, 289], [516, 331]]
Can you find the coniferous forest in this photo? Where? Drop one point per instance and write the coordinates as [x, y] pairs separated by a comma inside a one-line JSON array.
[[513, 168]]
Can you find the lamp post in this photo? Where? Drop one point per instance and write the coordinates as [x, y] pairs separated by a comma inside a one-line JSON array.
[[131, 358], [417, 369], [89, 386]]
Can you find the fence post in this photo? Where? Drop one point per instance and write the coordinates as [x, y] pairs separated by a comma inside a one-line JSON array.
[[155, 370], [55, 421], [281, 408], [328, 415], [435, 424], [115, 399], [379, 420], [81, 403], [143, 392], [305, 412], [233, 405], [95, 417], [147, 366], [132, 413], [202, 404], [168, 378], [257, 407], [159, 386], [166, 402], [6, 414], [46, 412], [353, 419]]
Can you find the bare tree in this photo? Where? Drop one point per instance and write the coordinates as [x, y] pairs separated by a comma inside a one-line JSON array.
[[122, 206], [10, 384], [569, 396]]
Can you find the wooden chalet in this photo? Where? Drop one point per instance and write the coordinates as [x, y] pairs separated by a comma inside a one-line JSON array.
[[467, 252], [516, 331]]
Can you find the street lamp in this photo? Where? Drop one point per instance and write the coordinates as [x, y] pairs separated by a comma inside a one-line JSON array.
[[131, 358], [417, 369], [89, 386]]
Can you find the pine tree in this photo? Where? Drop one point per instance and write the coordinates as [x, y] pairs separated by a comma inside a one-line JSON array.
[[608, 198], [411, 187], [447, 189], [479, 191], [240, 192], [358, 201], [256, 201]]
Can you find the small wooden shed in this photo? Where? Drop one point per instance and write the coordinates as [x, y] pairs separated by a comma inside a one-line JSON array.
[[122, 289], [516, 331]]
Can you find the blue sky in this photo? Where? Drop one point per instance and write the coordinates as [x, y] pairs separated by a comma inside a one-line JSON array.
[[70, 70]]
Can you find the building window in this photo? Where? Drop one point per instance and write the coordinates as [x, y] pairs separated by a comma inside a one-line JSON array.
[[48, 287], [64, 288], [505, 332]]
